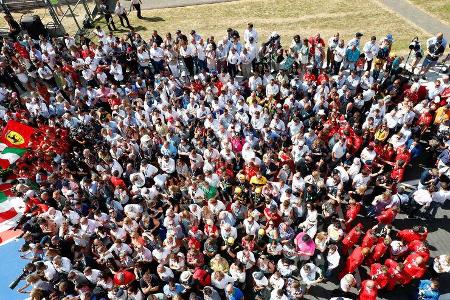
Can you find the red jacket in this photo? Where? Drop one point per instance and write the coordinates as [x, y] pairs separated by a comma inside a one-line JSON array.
[[386, 216], [203, 277], [352, 211], [395, 276], [408, 235], [351, 238], [116, 181], [381, 278], [127, 278], [366, 294], [379, 251], [419, 248], [412, 269], [369, 239], [30, 204], [353, 262]]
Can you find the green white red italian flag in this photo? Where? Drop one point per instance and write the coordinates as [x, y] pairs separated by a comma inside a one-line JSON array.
[[11, 210], [9, 155]]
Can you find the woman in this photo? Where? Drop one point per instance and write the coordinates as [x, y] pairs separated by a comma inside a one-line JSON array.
[[211, 58], [304, 55], [238, 273]]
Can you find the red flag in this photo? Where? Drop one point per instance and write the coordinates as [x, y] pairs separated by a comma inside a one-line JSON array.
[[16, 135], [8, 214]]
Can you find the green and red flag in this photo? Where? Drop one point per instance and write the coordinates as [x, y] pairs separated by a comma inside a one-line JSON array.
[[9, 155]]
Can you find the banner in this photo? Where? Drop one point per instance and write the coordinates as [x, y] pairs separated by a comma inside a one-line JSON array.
[[16, 135]]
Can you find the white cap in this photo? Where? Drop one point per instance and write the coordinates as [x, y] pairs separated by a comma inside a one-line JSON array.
[[29, 193]]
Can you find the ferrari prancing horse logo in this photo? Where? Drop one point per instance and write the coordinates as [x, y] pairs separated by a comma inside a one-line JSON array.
[[15, 138]]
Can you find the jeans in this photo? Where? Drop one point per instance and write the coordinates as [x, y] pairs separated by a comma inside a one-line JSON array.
[[336, 67], [158, 66], [189, 63], [232, 70], [201, 65]]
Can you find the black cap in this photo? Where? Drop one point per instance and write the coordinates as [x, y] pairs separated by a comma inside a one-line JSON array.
[[358, 34]]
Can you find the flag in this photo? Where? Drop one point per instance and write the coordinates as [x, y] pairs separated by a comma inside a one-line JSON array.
[[9, 155], [16, 135], [5, 192], [11, 210]]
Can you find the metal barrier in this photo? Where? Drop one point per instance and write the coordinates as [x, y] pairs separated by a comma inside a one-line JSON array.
[[60, 23]]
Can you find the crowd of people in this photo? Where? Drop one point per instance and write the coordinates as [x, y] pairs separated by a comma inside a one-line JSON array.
[[202, 168]]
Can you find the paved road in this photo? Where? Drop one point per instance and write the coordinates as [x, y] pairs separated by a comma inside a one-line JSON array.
[[417, 16]]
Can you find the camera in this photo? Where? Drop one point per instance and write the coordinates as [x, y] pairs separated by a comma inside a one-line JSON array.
[[415, 44], [19, 278]]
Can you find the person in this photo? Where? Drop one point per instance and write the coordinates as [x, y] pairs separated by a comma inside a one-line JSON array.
[[354, 261], [121, 12], [233, 293], [428, 290], [136, 4], [189, 183], [370, 49], [14, 27], [311, 274], [435, 49], [368, 290], [104, 9]]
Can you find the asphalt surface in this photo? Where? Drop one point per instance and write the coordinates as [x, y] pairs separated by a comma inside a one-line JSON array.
[[416, 16]]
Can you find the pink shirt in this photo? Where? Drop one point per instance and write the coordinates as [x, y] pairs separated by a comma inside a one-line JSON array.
[[306, 248]]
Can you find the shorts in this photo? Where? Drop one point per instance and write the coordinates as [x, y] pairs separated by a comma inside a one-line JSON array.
[[427, 63]]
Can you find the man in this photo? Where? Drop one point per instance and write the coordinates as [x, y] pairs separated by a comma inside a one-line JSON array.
[[137, 6], [157, 56], [233, 293], [370, 51], [121, 12], [368, 290], [250, 33], [338, 57], [428, 290], [351, 56], [435, 49], [356, 41], [233, 61], [311, 274], [333, 42], [354, 260]]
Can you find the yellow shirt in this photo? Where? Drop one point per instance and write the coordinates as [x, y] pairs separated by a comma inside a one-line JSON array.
[[258, 181], [442, 115], [250, 100]]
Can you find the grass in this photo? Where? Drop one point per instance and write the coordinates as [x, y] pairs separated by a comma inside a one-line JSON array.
[[287, 17], [284, 16], [438, 8]]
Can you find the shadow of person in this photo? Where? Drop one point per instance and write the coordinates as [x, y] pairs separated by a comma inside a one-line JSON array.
[[139, 28], [153, 19]]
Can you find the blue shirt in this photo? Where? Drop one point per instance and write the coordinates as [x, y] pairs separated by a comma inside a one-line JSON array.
[[236, 295], [351, 55], [426, 291], [170, 293]]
